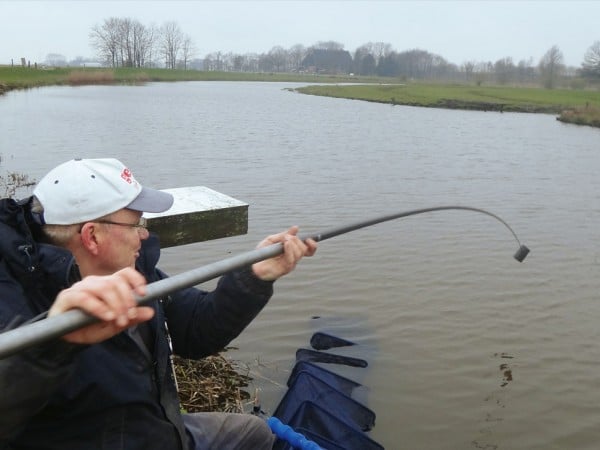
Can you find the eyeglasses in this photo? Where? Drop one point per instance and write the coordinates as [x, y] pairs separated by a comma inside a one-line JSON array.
[[142, 223]]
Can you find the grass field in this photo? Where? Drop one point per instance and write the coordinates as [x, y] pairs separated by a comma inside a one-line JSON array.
[[491, 98]]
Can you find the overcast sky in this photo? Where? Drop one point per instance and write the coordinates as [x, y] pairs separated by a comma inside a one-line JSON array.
[[459, 31]]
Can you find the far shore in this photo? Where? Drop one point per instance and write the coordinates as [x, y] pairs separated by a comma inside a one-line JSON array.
[[12, 78], [577, 106], [581, 107]]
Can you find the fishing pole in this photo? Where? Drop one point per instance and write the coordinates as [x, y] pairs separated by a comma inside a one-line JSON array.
[[31, 334]]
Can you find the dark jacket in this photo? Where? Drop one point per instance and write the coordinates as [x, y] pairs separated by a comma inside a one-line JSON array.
[[116, 394]]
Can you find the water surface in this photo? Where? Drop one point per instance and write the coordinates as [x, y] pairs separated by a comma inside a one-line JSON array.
[[466, 347]]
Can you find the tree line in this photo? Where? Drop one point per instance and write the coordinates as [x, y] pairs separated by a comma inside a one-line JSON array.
[[125, 42], [381, 59]]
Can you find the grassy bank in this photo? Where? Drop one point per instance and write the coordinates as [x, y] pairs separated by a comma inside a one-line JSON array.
[[482, 98], [23, 77], [488, 98]]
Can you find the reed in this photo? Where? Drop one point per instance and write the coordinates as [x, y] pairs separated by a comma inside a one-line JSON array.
[[81, 77], [211, 384], [581, 116]]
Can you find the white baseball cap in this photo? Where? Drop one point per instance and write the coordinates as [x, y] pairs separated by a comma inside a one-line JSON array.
[[87, 189]]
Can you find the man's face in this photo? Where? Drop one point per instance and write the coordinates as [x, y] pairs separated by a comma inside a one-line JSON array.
[[121, 241]]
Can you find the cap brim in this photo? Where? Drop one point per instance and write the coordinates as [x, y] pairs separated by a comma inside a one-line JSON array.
[[151, 200]]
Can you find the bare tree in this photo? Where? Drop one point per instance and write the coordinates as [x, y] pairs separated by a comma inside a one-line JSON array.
[[296, 54], [526, 71], [187, 50], [219, 61], [251, 62], [126, 41], [171, 43], [418, 64], [591, 61], [208, 62], [482, 72], [551, 67], [106, 40], [238, 63], [279, 59], [468, 67], [123, 42], [364, 62], [377, 49], [228, 61], [214, 61], [504, 70], [143, 40]]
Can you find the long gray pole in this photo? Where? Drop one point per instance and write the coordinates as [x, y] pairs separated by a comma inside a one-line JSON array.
[[21, 338]]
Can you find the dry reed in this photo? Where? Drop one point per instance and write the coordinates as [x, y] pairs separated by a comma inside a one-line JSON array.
[[211, 384], [82, 77], [581, 116]]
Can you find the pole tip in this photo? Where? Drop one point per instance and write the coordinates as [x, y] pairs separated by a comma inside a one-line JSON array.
[[521, 253]]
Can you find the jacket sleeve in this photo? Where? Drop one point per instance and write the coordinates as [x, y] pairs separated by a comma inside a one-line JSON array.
[[203, 323], [28, 379]]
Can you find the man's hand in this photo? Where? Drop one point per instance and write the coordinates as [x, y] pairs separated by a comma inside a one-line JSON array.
[[110, 299], [293, 251]]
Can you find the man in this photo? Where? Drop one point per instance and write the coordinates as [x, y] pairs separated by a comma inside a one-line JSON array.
[[85, 218]]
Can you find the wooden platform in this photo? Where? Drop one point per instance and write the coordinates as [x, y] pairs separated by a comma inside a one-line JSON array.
[[198, 214]]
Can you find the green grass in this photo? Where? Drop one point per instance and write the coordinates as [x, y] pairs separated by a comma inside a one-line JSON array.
[[493, 98], [22, 77]]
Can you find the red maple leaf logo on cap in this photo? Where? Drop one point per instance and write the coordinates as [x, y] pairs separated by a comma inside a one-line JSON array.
[[127, 175]]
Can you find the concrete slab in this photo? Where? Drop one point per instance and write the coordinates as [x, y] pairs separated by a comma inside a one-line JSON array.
[[198, 214]]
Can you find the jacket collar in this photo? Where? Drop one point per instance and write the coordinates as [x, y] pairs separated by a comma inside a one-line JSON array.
[[26, 257]]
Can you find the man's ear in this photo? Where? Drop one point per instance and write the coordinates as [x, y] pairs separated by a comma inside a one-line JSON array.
[[89, 237]]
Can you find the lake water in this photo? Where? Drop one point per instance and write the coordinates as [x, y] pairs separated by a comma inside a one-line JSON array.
[[467, 348]]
